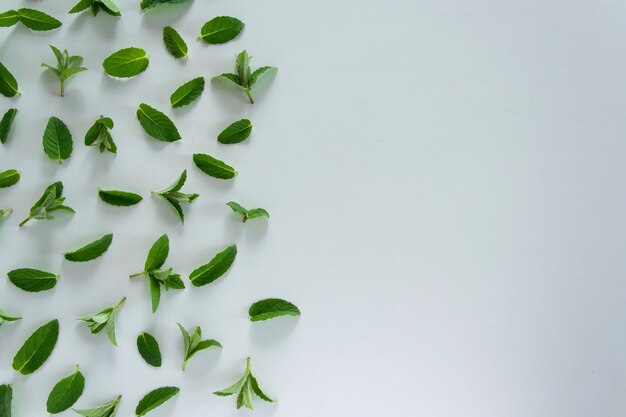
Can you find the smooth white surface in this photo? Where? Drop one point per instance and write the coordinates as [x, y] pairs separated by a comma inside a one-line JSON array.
[[447, 190]]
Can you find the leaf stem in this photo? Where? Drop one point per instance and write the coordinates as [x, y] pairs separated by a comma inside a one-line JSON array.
[[249, 96], [62, 89], [248, 363], [26, 220], [120, 303], [137, 274]]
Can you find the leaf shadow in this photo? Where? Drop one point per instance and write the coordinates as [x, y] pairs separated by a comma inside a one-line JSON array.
[[272, 332], [232, 99], [203, 362], [104, 25]]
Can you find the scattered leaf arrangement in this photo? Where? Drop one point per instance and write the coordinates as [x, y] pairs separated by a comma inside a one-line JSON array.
[[58, 146]]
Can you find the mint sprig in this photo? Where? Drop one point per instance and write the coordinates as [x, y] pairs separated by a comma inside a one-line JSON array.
[[105, 410], [99, 135], [194, 343], [245, 387], [174, 197], [50, 201], [244, 78], [247, 214], [67, 66], [104, 320]]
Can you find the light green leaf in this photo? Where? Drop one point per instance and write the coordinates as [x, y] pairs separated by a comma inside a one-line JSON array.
[[7, 19], [81, 5], [5, 317], [6, 397], [148, 4], [149, 349], [271, 308], [231, 79], [245, 79], [194, 344], [37, 348], [237, 208], [174, 43], [155, 292], [217, 267], [33, 280], [106, 410], [257, 212], [67, 66], [6, 123], [213, 167], [154, 399], [51, 200], [221, 29], [104, 320], [9, 178], [158, 254], [91, 251], [8, 83], [119, 198], [187, 93], [235, 133], [126, 63], [110, 7], [37, 20], [57, 140], [157, 124], [66, 392], [245, 387]]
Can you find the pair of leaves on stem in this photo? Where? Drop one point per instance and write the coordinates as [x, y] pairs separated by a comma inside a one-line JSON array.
[[31, 18], [107, 6], [157, 124], [105, 410], [37, 348], [247, 214], [8, 83], [66, 392], [245, 388], [98, 135], [9, 177], [221, 29], [194, 343], [119, 198], [51, 201], [126, 62], [6, 122], [5, 317], [33, 280], [158, 276], [154, 399], [105, 320], [175, 197], [67, 66], [57, 140], [91, 251], [244, 78]]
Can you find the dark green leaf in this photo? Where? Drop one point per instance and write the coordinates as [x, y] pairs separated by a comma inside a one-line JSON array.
[[37, 348], [98, 135], [155, 292], [57, 140], [66, 392], [174, 43], [148, 4], [271, 308], [8, 83], [236, 132], [91, 251], [9, 178], [126, 63], [217, 267], [106, 410], [213, 167], [149, 349], [158, 254], [154, 399], [7, 19], [33, 280], [6, 123], [6, 397], [221, 29], [36, 20], [157, 124], [119, 198], [187, 93]]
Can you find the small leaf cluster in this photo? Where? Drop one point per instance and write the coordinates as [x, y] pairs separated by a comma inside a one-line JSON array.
[[244, 78], [108, 6], [245, 389], [99, 135], [67, 66], [194, 343], [50, 201], [105, 320], [175, 197]]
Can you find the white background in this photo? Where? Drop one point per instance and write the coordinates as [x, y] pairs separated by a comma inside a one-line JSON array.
[[447, 190]]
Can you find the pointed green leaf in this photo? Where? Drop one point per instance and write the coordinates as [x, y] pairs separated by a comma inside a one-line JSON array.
[[119, 198], [155, 292], [221, 29], [33, 280], [187, 93], [37, 20], [66, 392], [215, 268], [236, 132], [154, 399], [149, 349], [213, 167], [232, 79], [7, 19], [6, 397], [37, 348], [91, 251], [9, 178], [174, 43], [8, 83], [158, 254], [110, 7], [257, 212], [157, 124], [80, 6], [6, 123], [106, 410], [237, 208], [271, 308], [57, 140], [149, 4], [5, 317], [261, 73], [126, 63]]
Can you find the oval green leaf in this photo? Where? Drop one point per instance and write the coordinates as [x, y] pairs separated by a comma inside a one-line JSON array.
[[126, 63], [149, 349], [157, 124], [7, 19], [154, 399], [236, 132], [158, 254], [8, 83], [271, 308], [6, 397], [36, 20], [37, 348], [174, 43], [217, 267], [221, 29], [65, 393], [187, 93], [6, 123], [91, 251], [33, 280], [57, 140], [213, 167], [119, 198], [9, 178]]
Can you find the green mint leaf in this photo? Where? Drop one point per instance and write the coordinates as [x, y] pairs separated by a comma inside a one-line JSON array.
[[106, 410], [221, 29], [245, 387], [261, 73], [154, 399], [119, 198], [236, 132], [110, 7], [9, 178], [155, 292], [6, 397], [247, 214], [67, 66], [5, 317], [228, 78], [91, 251], [149, 349], [57, 140], [50, 201], [149, 4], [8, 83], [237, 208], [213, 167], [5, 212], [7, 19], [174, 43], [37, 20], [99, 135], [37, 348], [157, 124], [271, 308], [6, 123], [174, 197], [104, 320], [66, 392], [173, 282], [245, 79], [33, 280], [126, 63], [187, 93], [217, 267], [257, 212], [158, 254], [194, 343], [81, 6]]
